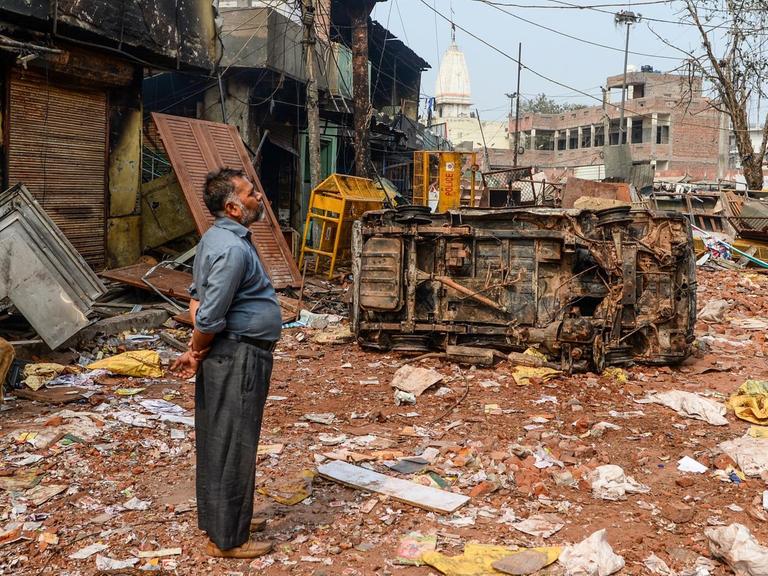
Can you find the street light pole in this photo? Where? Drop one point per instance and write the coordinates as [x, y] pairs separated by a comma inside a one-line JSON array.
[[628, 18]]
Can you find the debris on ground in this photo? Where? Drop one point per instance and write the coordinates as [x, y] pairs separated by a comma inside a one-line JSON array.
[[735, 545], [610, 483], [749, 453], [479, 559], [415, 379], [750, 402], [137, 363], [110, 473], [691, 405], [592, 556]]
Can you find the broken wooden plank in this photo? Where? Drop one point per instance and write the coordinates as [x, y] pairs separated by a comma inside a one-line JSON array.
[[56, 395], [426, 497], [171, 283]]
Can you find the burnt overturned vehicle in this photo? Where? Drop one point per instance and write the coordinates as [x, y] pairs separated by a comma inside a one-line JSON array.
[[589, 288]]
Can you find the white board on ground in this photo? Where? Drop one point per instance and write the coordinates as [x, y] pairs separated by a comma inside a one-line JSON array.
[[426, 497]]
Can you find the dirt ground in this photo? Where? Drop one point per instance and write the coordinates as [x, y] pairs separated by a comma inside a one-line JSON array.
[[483, 452]]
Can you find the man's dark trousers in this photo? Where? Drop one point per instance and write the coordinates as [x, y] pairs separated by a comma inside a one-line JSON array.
[[230, 392]]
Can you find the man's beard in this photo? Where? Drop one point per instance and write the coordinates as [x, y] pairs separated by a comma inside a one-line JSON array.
[[250, 216]]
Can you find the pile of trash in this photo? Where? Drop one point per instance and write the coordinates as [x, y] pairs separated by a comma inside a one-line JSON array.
[[372, 463]]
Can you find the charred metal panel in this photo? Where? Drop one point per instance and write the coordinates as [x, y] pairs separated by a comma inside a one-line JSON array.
[[163, 32], [590, 288], [381, 273], [41, 272]]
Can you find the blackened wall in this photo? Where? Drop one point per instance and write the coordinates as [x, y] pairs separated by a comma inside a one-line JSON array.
[[165, 33]]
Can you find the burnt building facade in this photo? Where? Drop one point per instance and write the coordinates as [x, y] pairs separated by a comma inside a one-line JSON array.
[[72, 107], [263, 92]]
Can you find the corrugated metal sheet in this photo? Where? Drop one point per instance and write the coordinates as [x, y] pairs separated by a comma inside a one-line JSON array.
[[57, 149], [195, 147], [42, 273], [282, 136]]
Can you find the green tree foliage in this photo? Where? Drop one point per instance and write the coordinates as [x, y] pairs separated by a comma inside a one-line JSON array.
[[541, 104]]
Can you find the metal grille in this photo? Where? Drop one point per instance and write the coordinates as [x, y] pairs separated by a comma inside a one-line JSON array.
[[195, 147], [500, 179], [57, 149]]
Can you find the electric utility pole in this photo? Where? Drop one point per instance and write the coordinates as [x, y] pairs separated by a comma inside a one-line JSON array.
[[628, 18], [516, 95], [313, 112], [358, 12]]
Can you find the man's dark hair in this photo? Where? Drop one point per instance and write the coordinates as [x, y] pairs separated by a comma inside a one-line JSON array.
[[219, 186]]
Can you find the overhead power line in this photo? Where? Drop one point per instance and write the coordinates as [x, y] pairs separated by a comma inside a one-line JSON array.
[[552, 80], [572, 37]]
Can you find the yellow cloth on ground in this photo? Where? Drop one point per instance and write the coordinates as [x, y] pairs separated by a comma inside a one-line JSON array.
[[478, 559], [137, 363], [750, 402], [38, 375], [523, 374]]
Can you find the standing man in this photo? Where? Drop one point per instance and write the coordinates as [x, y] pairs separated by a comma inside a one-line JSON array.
[[237, 323]]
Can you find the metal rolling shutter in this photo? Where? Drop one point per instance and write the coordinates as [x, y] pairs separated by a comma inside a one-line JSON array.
[[57, 148], [195, 147], [594, 172]]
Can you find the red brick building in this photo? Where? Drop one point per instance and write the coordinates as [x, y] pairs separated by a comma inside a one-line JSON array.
[[669, 125]]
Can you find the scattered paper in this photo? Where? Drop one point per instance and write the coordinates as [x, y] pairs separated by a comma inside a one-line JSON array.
[[88, 551], [38, 375], [136, 504], [692, 406], [412, 546], [415, 379], [751, 454], [105, 563], [688, 464], [736, 546], [160, 406], [591, 557], [540, 525], [610, 483], [656, 565]]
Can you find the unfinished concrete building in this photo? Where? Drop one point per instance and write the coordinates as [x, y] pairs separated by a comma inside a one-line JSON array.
[[670, 126]]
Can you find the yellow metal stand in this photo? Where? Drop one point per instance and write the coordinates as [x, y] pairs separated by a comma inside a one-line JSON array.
[[337, 202]]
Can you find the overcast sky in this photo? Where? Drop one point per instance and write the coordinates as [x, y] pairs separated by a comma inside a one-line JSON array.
[[570, 61]]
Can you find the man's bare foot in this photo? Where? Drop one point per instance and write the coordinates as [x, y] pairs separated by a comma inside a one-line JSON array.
[[251, 549]]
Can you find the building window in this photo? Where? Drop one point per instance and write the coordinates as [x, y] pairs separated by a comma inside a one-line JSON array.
[[613, 133], [545, 140], [638, 91], [586, 137], [573, 140], [599, 136], [561, 141], [662, 134], [637, 131]]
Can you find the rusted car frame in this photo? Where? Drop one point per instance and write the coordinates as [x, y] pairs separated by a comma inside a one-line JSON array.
[[589, 288]]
